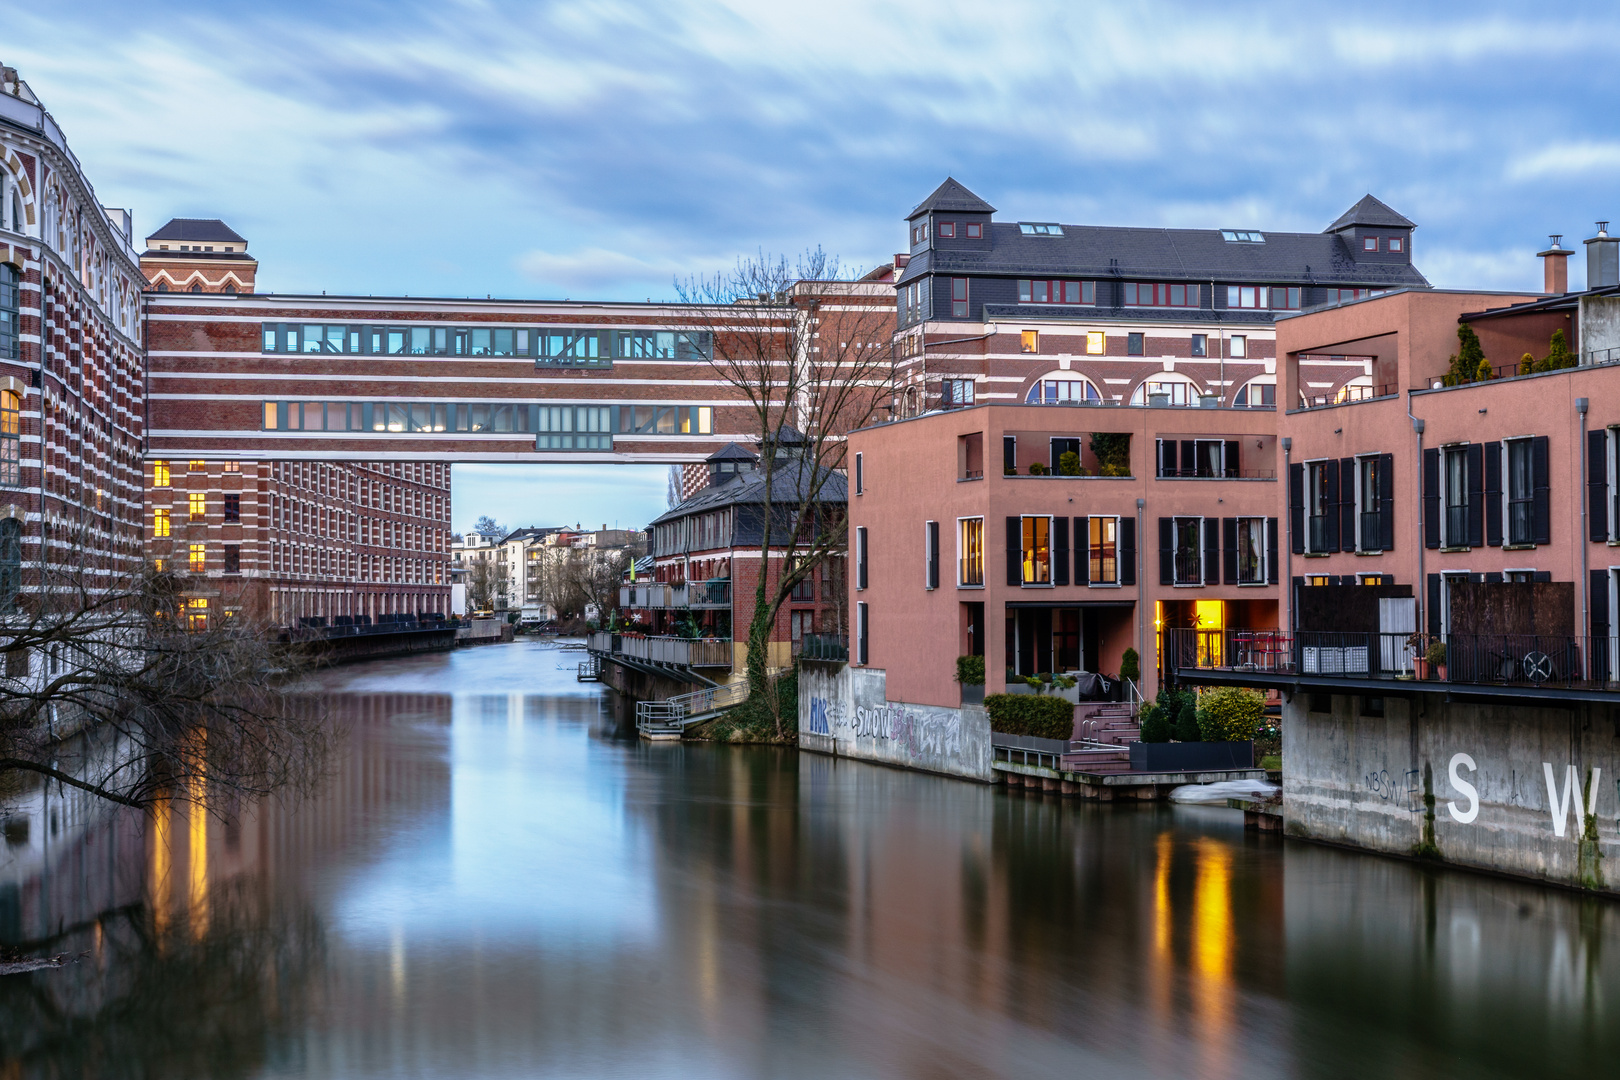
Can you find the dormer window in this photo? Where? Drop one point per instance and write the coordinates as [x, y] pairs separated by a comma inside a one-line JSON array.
[[919, 232], [1242, 236], [947, 229], [1397, 244], [1029, 228], [1369, 244], [975, 231]]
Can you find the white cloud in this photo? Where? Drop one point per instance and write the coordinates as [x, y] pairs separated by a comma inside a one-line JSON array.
[[1567, 160]]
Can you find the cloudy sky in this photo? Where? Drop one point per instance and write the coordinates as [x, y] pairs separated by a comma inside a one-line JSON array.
[[597, 148]]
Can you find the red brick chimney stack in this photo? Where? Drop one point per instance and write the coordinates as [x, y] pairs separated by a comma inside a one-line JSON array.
[[1555, 266]]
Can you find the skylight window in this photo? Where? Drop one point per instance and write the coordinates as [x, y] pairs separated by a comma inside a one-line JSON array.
[[1029, 228], [1239, 236]]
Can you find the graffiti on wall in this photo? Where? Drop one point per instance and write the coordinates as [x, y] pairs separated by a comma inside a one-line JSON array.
[[921, 733]]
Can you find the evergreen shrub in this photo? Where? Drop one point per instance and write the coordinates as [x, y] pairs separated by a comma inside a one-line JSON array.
[[1030, 714], [1230, 713]]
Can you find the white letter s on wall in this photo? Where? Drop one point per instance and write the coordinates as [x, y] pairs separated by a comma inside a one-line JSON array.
[[1465, 789]]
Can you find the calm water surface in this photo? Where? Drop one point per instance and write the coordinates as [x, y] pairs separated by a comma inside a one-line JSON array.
[[496, 883]]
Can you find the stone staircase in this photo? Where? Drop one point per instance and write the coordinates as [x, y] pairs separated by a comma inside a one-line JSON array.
[[1103, 731]]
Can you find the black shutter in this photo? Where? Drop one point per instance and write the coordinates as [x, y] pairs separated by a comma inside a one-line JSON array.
[[1060, 551], [1493, 578], [1167, 540], [1493, 494], [1432, 602], [1127, 551], [1386, 502], [1189, 458], [1212, 551], [1431, 498], [1296, 508], [1167, 457], [1296, 583], [1273, 566], [1476, 495], [1009, 453], [1330, 484], [860, 475], [1543, 577], [1541, 511], [860, 557], [933, 554], [1229, 538], [1597, 648], [1082, 551], [1597, 485], [1231, 461], [862, 633], [1349, 533], [1015, 551]]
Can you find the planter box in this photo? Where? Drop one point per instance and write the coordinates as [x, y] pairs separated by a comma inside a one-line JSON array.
[[973, 694], [1029, 742], [1191, 757]]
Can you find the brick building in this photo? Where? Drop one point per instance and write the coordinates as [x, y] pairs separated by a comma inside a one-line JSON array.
[[72, 401], [198, 255]]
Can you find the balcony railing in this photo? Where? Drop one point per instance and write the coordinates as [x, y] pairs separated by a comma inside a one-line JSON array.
[[1568, 661], [1346, 395], [1456, 526], [1189, 566], [713, 593], [684, 652], [1521, 521], [834, 647], [1216, 474], [1372, 531], [1316, 533]]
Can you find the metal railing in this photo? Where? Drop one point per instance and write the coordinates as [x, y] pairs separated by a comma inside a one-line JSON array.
[[684, 652], [1189, 567], [674, 713], [1530, 660], [1372, 530], [1216, 474], [1316, 532], [1521, 521], [831, 647], [1347, 395], [715, 592], [1456, 526]]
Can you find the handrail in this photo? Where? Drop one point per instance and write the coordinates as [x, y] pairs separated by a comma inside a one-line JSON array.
[[676, 712]]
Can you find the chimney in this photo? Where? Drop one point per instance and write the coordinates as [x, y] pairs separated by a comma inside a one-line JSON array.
[[1602, 259], [1555, 266]]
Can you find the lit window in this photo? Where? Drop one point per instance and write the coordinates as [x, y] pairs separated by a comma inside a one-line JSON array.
[[1096, 343], [1037, 550], [232, 466], [157, 565], [1104, 551], [160, 522], [1030, 341], [197, 613], [197, 558], [197, 505], [196, 466], [10, 437], [160, 474], [970, 561]]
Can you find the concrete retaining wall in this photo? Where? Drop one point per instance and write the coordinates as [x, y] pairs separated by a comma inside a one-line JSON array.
[[843, 710], [1475, 785]]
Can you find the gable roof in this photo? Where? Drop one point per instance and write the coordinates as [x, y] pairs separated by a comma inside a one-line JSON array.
[[952, 197], [1369, 211], [732, 452], [787, 487], [189, 229]]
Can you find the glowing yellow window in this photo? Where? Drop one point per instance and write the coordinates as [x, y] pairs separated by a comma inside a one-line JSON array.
[[1096, 343], [232, 466], [160, 474], [199, 558], [197, 466], [1037, 551], [157, 564], [197, 613], [1030, 341], [160, 522], [198, 505]]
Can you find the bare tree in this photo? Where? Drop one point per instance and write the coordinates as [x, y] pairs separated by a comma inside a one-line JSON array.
[[482, 582], [124, 688], [808, 348]]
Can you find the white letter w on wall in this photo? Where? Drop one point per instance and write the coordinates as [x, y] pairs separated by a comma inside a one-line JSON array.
[[1558, 805]]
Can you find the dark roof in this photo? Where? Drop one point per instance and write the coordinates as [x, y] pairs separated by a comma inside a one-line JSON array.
[[787, 485], [1103, 251], [530, 533], [1369, 211], [953, 198], [732, 452], [189, 229]]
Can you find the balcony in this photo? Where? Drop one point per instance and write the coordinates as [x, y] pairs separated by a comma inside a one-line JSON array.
[[714, 593], [829, 647], [1349, 395], [679, 652]]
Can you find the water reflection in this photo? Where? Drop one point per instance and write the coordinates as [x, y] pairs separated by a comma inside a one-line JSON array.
[[494, 883]]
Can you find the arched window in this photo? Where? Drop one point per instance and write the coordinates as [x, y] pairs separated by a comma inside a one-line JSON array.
[[6, 187], [1257, 393], [1061, 387], [10, 562], [1359, 388], [10, 279], [16, 210], [230, 288], [196, 286], [1178, 389], [163, 286], [10, 437]]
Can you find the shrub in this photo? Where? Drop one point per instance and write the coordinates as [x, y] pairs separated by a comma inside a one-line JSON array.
[[1114, 470], [1130, 665], [1465, 362], [1009, 470], [1558, 354], [1068, 463], [970, 670], [1436, 652], [1230, 713], [1038, 469], [1484, 373], [1029, 714], [1112, 449], [1155, 726], [1186, 729], [1527, 364]]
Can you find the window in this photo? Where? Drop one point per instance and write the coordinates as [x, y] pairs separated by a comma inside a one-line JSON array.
[[1009, 454], [860, 557], [10, 437], [1251, 551], [231, 466], [975, 231], [1240, 236], [233, 506], [970, 553], [1285, 299], [160, 521], [197, 612], [197, 506], [930, 554], [1057, 389], [1369, 243], [1188, 551], [10, 562], [1029, 228], [1037, 550], [196, 466], [1030, 341], [10, 304], [955, 393], [862, 633], [1319, 477], [197, 559], [1096, 343], [160, 474], [1520, 493], [1103, 546], [1454, 476], [1056, 292], [233, 559], [1139, 294], [1397, 244], [959, 298], [1175, 390], [1370, 484], [1337, 296], [1237, 346], [1200, 344], [919, 232], [860, 474], [1133, 344], [947, 228], [1258, 393]]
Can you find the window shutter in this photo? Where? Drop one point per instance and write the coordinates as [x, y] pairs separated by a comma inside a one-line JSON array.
[[1386, 502], [1167, 457], [1015, 551], [1167, 540], [1598, 647], [1476, 495], [1211, 528], [860, 557], [933, 554], [1229, 538], [1349, 531], [1189, 457], [1009, 453], [1493, 494], [1541, 511], [1127, 551], [1330, 485], [1597, 485], [1272, 563], [862, 633], [1296, 508], [860, 475], [1060, 551], [1431, 498], [1082, 550], [1231, 456], [1541, 577], [1432, 602], [1493, 578]]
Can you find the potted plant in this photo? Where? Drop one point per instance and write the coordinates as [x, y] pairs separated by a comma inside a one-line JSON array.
[[1435, 654], [970, 674], [1418, 645]]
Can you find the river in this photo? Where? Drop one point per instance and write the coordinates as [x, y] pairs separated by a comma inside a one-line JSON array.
[[494, 882]]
